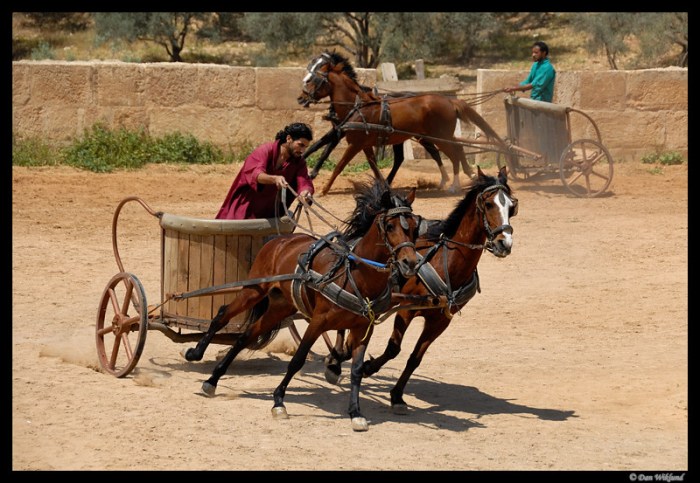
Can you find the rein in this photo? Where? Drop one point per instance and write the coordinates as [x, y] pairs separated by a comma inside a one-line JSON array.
[[342, 250]]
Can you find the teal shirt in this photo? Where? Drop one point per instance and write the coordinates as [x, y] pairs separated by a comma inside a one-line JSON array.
[[542, 75]]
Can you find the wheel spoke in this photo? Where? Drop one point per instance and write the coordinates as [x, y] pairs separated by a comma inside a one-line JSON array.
[[118, 351]]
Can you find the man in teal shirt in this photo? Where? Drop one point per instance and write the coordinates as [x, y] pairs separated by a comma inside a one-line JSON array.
[[542, 75]]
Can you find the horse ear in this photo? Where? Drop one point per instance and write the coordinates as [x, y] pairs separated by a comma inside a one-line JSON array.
[[503, 174], [411, 197], [479, 172], [386, 200]]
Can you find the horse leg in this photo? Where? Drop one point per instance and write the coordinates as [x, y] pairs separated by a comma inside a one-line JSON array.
[[456, 155], [335, 358], [307, 341], [330, 140], [372, 161], [269, 320], [248, 297], [209, 386], [357, 420], [349, 153], [398, 161], [393, 347], [435, 154], [432, 329]]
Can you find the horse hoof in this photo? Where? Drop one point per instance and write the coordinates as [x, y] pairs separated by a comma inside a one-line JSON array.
[[183, 353], [279, 412], [208, 389], [359, 424], [400, 409], [332, 376]]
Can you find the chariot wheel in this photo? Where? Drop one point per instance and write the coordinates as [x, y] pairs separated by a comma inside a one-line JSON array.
[[120, 340], [515, 171], [586, 168]]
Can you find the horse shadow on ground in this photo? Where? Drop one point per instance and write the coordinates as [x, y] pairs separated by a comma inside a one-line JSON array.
[[453, 407], [549, 184], [243, 365]]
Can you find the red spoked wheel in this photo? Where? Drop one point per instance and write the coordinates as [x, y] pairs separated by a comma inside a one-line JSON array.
[[122, 324], [586, 168]]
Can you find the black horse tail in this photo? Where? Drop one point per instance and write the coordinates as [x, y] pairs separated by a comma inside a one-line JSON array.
[[255, 313], [466, 113]]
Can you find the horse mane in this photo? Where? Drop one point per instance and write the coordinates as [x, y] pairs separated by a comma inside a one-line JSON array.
[[337, 59], [371, 199], [448, 226]]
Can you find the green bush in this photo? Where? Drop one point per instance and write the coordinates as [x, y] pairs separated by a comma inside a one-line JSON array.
[[667, 158], [184, 148], [42, 52], [102, 150], [34, 152]]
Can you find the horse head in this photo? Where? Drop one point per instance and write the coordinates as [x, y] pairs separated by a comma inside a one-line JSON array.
[[497, 206], [400, 227], [315, 84], [389, 217]]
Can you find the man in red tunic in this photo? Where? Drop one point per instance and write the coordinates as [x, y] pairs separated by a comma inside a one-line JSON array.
[[269, 168]]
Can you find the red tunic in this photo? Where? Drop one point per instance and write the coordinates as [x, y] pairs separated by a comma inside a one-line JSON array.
[[249, 199]]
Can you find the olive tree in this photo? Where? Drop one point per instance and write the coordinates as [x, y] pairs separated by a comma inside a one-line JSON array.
[[168, 29]]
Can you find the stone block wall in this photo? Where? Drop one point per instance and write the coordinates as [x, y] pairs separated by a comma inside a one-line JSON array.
[[636, 111]]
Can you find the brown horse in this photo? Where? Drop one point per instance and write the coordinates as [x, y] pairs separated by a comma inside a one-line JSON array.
[[452, 249], [369, 121], [331, 139], [341, 281]]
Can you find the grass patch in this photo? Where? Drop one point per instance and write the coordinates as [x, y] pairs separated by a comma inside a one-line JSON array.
[[102, 150], [34, 152], [664, 158], [357, 167]]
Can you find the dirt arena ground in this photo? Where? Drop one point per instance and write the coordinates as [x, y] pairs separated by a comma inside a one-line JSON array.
[[573, 357]]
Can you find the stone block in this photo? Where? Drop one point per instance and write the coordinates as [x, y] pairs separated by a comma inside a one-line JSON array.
[[120, 84], [278, 88], [62, 84], [658, 89], [171, 84], [601, 90], [220, 86], [21, 83]]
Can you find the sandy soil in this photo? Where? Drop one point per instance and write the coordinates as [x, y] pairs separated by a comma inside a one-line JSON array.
[[573, 357]]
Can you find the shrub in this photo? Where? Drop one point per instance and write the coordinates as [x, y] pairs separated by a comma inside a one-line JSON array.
[[101, 150], [667, 158], [34, 152], [43, 51]]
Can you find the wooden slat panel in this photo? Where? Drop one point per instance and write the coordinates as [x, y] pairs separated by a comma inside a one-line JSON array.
[[234, 246], [219, 265], [183, 245], [256, 244], [170, 267], [206, 276], [194, 260]]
